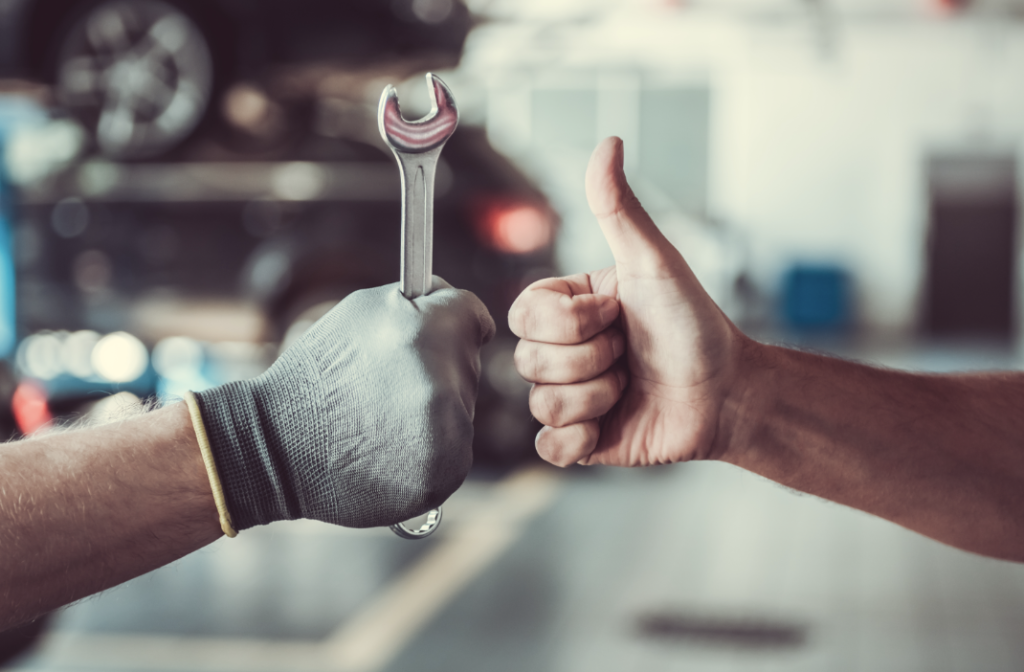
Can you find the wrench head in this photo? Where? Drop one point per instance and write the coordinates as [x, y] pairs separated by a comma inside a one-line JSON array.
[[422, 135]]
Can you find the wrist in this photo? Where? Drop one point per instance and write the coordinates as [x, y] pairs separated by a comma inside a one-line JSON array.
[[745, 406], [202, 444], [235, 426]]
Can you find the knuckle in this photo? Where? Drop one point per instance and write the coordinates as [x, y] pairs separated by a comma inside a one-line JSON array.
[[604, 394], [597, 356], [547, 405], [586, 433], [562, 459], [547, 452], [527, 360], [515, 318], [576, 325], [596, 394], [550, 448], [569, 445]]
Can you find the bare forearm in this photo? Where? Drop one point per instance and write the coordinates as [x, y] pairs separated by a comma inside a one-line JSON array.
[[941, 455], [85, 510]]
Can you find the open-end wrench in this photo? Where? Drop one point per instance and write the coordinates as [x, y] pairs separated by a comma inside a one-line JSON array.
[[417, 146]]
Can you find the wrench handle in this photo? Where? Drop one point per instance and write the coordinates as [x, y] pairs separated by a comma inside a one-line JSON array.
[[417, 256]]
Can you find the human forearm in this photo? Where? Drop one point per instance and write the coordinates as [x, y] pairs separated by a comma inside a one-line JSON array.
[[85, 510], [939, 454]]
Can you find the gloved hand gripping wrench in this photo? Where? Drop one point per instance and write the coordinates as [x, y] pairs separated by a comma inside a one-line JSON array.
[[417, 146]]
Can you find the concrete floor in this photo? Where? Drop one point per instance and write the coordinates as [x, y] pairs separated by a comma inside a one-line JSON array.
[[697, 566]]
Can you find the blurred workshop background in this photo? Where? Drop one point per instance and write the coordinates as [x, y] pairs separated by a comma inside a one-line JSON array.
[[187, 185]]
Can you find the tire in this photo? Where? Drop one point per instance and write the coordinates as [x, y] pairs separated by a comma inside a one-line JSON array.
[[138, 73]]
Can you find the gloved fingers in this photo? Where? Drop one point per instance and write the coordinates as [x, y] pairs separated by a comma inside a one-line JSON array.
[[549, 363], [461, 301], [487, 326], [565, 446], [563, 405], [472, 304], [556, 310]]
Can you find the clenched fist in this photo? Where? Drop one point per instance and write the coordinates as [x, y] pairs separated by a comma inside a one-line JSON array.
[[366, 420]]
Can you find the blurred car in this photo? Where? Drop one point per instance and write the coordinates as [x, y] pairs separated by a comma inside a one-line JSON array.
[[143, 74], [111, 248]]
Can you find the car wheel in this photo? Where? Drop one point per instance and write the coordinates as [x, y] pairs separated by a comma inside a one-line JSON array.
[[138, 73]]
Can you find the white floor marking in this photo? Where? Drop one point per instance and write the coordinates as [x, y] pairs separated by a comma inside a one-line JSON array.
[[371, 638], [369, 641]]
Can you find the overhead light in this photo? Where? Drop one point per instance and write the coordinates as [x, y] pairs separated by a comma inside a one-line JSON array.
[[949, 7], [516, 227], [39, 356], [76, 353], [120, 357], [298, 181], [178, 358]]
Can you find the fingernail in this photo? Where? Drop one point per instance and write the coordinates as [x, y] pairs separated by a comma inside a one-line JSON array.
[[623, 377], [618, 345], [609, 311]]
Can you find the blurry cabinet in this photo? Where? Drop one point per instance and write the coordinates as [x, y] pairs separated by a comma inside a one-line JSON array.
[[972, 246], [669, 123], [674, 147], [565, 118]]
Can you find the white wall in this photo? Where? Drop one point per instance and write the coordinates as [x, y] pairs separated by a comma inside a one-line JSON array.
[[817, 146], [824, 158]]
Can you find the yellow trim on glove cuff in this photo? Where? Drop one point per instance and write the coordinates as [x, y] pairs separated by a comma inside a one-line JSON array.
[[211, 466]]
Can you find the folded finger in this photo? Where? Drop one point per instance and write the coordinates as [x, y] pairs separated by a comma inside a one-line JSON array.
[[552, 363], [558, 310], [565, 446], [562, 405]]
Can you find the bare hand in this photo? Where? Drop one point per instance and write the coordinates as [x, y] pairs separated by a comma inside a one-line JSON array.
[[663, 402]]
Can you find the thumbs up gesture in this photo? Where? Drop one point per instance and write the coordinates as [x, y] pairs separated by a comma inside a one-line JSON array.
[[632, 365]]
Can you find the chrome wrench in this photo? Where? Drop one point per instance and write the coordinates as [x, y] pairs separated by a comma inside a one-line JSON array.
[[417, 146]]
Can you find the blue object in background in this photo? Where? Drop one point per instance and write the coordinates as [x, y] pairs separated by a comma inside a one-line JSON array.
[[15, 112], [816, 297], [8, 316]]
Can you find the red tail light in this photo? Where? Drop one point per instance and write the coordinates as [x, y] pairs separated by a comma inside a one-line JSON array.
[[29, 407], [948, 7], [515, 227]]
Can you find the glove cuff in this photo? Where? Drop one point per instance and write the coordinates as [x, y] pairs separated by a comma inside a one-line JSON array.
[[211, 466], [237, 429]]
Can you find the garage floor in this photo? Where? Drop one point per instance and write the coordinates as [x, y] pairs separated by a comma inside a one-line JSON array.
[[697, 566]]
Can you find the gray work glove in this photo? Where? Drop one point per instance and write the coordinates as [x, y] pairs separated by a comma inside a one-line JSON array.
[[366, 420]]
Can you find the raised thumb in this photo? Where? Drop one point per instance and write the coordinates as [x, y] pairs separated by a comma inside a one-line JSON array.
[[639, 247]]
